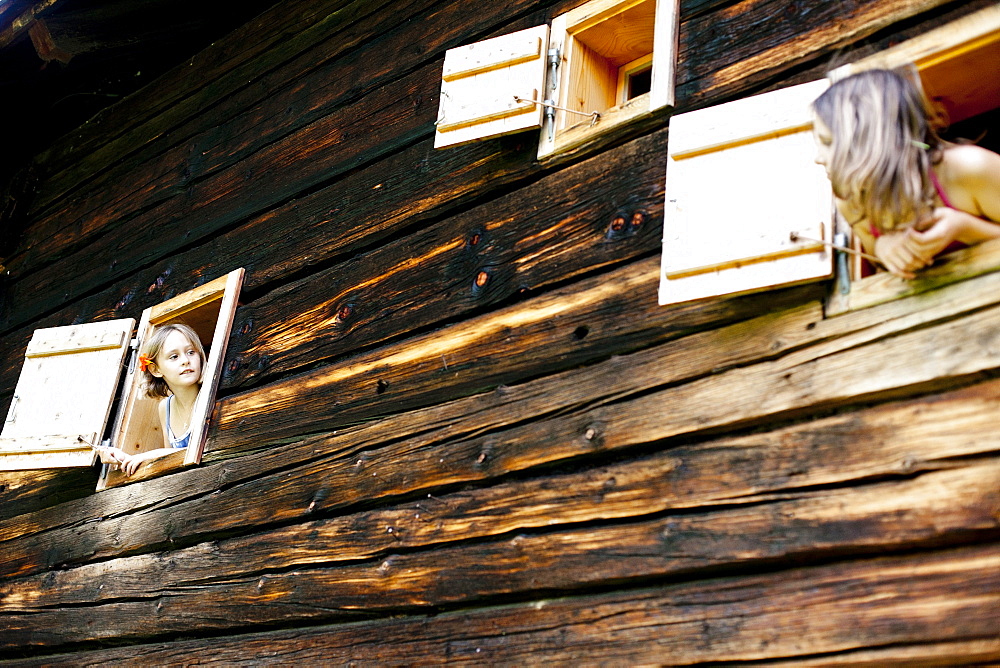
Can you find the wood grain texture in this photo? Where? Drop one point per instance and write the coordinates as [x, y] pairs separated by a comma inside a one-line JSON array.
[[340, 470], [479, 353], [220, 86], [251, 163], [117, 129], [842, 607], [725, 45], [933, 509], [592, 215]]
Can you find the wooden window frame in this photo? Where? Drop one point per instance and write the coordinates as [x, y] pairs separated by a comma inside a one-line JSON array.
[[209, 307], [581, 69], [555, 78], [940, 61]]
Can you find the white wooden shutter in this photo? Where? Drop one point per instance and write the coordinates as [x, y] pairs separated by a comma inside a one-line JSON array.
[[740, 179], [64, 394], [481, 81]]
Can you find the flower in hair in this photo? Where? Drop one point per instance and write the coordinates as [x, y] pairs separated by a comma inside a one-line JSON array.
[[144, 363]]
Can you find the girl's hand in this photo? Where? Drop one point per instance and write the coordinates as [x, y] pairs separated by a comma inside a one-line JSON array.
[[112, 455], [931, 236], [132, 464], [894, 252]]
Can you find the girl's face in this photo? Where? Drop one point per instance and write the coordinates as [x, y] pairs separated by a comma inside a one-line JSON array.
[[178, 362], [824, 140]]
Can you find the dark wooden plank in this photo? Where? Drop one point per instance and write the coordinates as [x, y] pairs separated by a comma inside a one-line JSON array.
[[940, 499], [487, 351], [120, 600], [725, 46], [423, 640], [24, 492], [600, 212], [286, 134], [281, 44], [255, 41]]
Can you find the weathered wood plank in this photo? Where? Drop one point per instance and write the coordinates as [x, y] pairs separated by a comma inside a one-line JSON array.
[[947, 501], [224, 68], [112, 603], [726, 45], [603, 211], [251, 162], [24, 492], [524, 446], [424, 642], [481, 352], [229, 112]]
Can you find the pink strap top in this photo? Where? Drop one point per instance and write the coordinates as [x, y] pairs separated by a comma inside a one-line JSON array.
[[939, 189]]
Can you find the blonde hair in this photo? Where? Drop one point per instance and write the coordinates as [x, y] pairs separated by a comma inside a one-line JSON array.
[[884, 142], [150, 384]]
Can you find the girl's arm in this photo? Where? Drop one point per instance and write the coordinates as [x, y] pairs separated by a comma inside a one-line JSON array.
[[976, 173], [974, 180], [131, 463], [888, 247]]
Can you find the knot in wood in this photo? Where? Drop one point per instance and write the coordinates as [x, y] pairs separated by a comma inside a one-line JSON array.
[[474, 239], [618, 223], [590, 434], [482, 278], [345, 311], [247, 327], [638, 218]]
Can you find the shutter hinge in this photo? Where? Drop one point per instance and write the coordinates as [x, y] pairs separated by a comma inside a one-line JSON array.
[[551, 82]]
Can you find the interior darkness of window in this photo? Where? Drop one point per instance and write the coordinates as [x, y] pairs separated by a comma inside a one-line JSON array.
[[983, 130], [640, 83]]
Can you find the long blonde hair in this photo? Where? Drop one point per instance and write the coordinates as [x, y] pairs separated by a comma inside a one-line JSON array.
[[885, 141]]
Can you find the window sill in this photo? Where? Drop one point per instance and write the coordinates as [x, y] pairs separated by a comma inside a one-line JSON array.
[[883, 287]]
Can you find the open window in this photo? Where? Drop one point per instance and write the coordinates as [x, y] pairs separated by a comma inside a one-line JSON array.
[[740, 181], [602, 64], [70, 377], [956, 66]]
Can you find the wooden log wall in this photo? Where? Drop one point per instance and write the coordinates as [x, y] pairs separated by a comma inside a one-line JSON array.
[[454, 424]]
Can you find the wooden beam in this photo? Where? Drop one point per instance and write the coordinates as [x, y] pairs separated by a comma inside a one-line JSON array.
[[24, 21], [847, 606]]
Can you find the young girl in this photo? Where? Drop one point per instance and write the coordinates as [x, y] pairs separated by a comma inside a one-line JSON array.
[[171, 364], [907, 194]]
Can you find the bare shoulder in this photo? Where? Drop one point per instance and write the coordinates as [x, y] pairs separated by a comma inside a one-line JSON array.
[[162, 408], [968, 164]]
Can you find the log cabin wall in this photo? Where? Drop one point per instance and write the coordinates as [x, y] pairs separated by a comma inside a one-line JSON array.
[[453, 422]]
